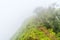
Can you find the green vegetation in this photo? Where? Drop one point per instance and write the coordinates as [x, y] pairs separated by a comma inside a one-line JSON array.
[[44, 26]]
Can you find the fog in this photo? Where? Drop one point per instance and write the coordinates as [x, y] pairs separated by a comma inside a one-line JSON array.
[[14, 12]]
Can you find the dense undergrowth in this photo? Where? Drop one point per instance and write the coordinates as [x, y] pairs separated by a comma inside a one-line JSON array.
[[44, 26]]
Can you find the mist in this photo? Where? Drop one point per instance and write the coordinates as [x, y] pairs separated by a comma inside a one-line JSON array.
[[14, 12]]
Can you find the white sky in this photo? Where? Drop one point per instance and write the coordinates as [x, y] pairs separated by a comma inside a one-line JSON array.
[[14, 12]]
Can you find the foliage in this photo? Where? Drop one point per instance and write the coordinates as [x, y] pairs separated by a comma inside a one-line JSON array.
[[44, 26]]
